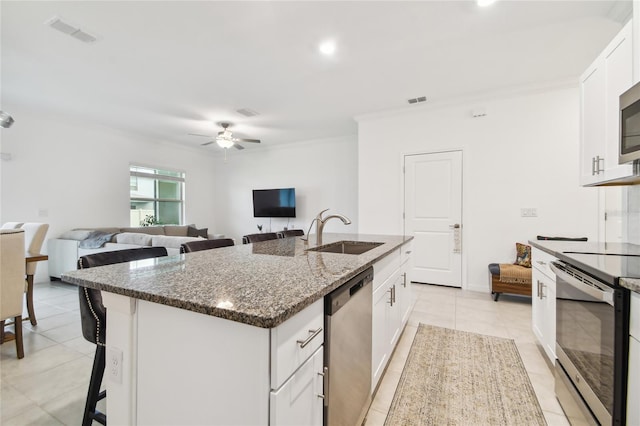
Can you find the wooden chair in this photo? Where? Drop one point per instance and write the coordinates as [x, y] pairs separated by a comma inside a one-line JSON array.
[[256, 238], [34, 234], [93, 317], [290, 233], [12, 283], [205, 245]]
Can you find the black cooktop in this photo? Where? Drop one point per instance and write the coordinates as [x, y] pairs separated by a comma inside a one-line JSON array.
[[608, 267]]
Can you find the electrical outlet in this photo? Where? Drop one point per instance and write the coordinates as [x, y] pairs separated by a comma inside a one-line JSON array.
[[114, 364]]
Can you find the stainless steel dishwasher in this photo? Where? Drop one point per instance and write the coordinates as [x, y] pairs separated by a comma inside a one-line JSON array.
[[348, 351]]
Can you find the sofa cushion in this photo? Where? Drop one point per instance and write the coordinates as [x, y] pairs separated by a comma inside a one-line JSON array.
[[195, 232], [136, 238], [76, 234], [176, 230], [149, 230], [171, 242]]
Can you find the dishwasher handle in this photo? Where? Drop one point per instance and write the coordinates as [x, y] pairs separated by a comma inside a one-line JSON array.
[[335, 300]]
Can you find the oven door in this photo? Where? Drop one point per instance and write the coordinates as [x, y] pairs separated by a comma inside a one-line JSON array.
[[585, 340]]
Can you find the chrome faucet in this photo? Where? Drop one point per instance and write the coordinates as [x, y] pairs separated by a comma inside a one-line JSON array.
[[320, 222]]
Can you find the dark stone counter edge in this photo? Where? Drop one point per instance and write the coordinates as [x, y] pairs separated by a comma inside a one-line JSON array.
[[254, 320], [630, 283]]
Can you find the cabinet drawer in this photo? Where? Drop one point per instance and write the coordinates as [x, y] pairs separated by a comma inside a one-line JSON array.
[[541, 260], [405, 251], [287, 353], [386, 266], [634, 321], [299, 400]]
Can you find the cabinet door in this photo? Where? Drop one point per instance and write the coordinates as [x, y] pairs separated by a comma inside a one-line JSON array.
[[618, 72], [537, 305], [380, 351], [592, 122], [633, 391], [549, 297], [299, 401], [404, 297]]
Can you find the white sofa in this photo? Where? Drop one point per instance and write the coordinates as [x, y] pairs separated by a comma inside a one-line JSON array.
[[65, 251]]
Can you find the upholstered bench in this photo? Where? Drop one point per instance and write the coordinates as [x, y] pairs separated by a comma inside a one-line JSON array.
[[508, 278]]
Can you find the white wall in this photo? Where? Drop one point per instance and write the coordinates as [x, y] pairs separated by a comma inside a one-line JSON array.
[[324, 173], [524, 153], [79, 174]]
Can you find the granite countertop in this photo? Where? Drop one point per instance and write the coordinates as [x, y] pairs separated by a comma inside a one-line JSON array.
[[564, 249], [261, 284]]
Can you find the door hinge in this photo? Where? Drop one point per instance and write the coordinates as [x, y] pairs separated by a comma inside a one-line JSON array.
[[605, 215], [403, 215]]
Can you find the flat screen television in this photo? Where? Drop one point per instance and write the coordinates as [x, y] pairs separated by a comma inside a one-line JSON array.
[[274, 202]]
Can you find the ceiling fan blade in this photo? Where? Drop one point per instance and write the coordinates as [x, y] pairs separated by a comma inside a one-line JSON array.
[[197, 134], [249, 140], [207, 143], [236, 146]]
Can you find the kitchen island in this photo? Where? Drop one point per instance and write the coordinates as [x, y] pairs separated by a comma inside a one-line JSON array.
[[211, 337]]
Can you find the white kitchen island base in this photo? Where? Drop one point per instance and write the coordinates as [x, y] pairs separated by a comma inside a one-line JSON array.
[[181, 367]]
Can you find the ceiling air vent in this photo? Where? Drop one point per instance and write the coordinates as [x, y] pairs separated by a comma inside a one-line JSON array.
[[64, 27], [417, 100], [247, 112]]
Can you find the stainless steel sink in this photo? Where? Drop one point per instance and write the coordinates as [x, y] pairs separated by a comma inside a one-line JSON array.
[[347, 247]]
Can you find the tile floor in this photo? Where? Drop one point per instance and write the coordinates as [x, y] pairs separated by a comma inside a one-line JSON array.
[[48, 386], [475, 312]]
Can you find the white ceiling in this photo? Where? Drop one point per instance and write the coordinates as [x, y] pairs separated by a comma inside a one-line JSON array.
[[162, 69]]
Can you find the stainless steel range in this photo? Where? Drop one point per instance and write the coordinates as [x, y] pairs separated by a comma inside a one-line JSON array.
[[592, 325]]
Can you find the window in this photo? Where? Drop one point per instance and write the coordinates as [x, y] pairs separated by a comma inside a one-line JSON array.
[[157, 196]]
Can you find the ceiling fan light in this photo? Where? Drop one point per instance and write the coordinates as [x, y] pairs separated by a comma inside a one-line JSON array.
[[224, 143]]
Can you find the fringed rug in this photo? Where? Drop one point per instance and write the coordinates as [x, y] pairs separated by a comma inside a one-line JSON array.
[[458, 378]]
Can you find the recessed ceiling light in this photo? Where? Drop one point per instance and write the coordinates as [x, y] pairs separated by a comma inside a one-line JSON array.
[[327, 48], [484, 3]]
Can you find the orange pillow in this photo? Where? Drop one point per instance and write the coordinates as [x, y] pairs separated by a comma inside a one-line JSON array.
[[523, 257]]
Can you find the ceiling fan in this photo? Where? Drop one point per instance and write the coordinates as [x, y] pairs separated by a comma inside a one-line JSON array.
[[225, 138]]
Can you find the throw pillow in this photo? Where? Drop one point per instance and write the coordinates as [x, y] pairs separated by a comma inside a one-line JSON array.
[[523, 257], [192, 231]]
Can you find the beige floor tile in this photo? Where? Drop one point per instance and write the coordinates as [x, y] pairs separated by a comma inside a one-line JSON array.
[[32, 342], [532, 358], [54, 321], [544, 387], [64, 333], [50, 384], [39, 361], [69, 407], [35, 416], [386, 390], [81, 345], [375, 418], [554, 419], [417, 318], [12, 402]]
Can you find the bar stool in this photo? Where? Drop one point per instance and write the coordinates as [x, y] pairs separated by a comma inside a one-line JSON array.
[[93, 317]]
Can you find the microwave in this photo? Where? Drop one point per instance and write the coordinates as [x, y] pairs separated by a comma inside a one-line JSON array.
[[629, 149]]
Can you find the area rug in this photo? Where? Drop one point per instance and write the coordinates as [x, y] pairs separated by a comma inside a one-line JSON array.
[[453, 377]]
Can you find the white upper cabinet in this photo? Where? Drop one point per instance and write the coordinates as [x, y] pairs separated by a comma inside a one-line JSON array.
[[601, 85]]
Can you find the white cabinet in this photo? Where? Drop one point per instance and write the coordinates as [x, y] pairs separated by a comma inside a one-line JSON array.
[[299, 401], [543, 300], [600, 87], [287, 354], [633, 390], [392, 304]]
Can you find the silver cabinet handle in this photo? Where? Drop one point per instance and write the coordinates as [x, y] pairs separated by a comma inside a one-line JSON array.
[[598, 168], [593, 166], [408, 252], [404, 279], [305, 342], [454, 226], [540, 262]]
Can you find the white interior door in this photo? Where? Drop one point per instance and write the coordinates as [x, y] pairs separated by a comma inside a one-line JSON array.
[[433, 215]]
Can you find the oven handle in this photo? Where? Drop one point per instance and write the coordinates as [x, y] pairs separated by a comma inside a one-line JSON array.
[[597, 293]]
